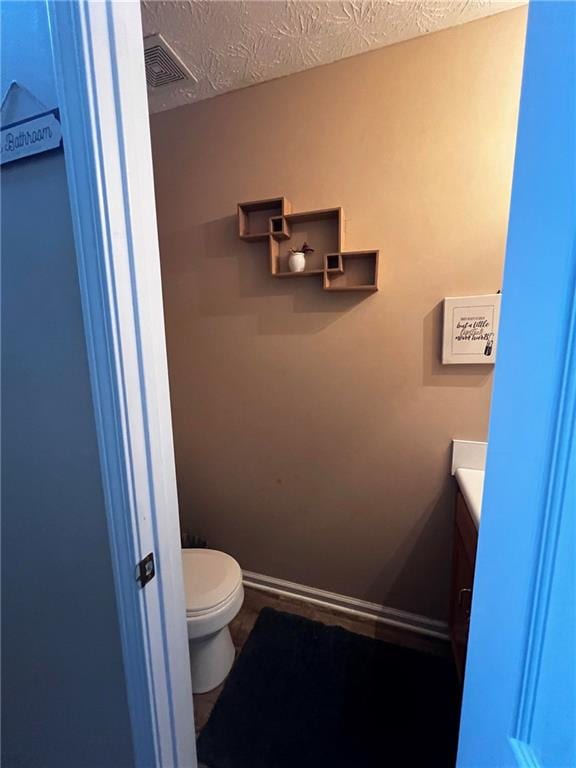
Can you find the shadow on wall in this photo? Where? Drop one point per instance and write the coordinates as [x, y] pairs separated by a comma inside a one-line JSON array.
[[226, 277], [434, 374], [424, 556]]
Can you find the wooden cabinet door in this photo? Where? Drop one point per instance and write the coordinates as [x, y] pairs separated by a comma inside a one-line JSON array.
[[463, 561], [461, 600]]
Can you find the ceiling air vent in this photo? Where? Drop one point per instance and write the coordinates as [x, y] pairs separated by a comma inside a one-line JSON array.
[[163, 66]]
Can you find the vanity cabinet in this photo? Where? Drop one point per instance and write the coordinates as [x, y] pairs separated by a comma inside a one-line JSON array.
[[463, 562]]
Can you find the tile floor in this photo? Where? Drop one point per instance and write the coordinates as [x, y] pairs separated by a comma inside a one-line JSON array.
[[255, 600]]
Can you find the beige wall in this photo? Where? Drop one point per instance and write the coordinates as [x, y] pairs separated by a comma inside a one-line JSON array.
[[312, 430]]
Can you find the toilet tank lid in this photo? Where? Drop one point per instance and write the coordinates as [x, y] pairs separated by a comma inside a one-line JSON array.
[[209, 578]]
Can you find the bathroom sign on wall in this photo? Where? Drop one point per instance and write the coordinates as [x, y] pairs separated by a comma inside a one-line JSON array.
[[30, 136], [471, 329]]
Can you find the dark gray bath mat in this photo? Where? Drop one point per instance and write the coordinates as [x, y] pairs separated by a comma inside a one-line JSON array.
[[305, 695]]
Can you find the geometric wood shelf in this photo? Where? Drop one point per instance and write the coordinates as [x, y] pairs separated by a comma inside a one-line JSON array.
[[273, 220], [254, 218], [358, 272]]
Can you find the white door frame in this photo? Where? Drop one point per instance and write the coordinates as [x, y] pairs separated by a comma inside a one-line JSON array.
[[99, 63]]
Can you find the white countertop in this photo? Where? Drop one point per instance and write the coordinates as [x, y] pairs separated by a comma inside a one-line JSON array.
[[471, 482]]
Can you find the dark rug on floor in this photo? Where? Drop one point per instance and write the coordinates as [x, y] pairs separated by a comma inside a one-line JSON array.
[[304, 695]]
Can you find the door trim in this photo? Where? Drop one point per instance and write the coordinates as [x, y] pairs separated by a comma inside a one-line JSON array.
[[554, 505], [99, 63]]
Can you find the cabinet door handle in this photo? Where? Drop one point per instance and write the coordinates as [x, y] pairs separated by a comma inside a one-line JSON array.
[[461, 593]]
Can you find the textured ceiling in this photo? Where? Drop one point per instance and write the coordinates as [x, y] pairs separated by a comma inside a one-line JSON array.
[[230, 44]]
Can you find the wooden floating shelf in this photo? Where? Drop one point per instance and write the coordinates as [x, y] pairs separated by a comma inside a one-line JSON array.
[[279, 228], [358, 272], [254, 217], [333, 263], [274, 221], [306, 273]]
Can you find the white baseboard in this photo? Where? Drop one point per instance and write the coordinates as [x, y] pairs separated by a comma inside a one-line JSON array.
[[421, 625]]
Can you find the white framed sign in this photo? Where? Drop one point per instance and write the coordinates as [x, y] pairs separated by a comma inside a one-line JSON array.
[[471, 329]]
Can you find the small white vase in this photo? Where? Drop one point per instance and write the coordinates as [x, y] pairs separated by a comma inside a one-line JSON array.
[[297, 262]]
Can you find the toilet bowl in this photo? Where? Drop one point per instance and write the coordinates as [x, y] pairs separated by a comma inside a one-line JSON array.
[[214, 595]]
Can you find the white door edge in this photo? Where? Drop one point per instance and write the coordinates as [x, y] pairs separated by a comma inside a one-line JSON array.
[[98, 57]]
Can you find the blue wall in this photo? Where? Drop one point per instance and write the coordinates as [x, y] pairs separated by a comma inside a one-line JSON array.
[[63, 690]]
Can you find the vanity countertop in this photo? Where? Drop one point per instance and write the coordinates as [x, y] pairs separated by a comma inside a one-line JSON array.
[[471, 483]]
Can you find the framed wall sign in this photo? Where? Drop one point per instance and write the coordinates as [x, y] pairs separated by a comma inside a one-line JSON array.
[[27, 127], [471, 329]]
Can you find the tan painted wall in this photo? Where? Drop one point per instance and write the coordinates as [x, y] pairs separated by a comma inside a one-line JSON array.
[[312, 430]]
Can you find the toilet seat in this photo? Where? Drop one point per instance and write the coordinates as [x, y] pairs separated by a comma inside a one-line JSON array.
[[210, 579], [213, 589]]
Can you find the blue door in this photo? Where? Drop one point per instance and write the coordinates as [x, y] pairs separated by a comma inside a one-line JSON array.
[[519, 699]]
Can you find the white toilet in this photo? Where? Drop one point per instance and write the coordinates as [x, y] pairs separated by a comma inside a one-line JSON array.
[[214, 595]]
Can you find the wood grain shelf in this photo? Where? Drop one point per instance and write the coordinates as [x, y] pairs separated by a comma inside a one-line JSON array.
[[254, 218], [323, 229], [306, 273], [359, 272], [333, 263], [279, 228]]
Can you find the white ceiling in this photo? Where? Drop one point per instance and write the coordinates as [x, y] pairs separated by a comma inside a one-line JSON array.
[[230, 44]]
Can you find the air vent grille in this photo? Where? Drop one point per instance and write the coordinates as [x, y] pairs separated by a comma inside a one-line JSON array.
[[162, 65]]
